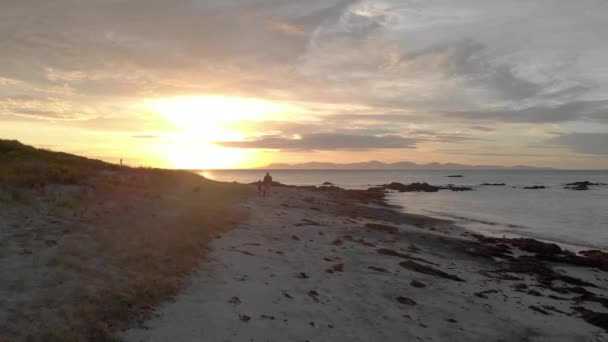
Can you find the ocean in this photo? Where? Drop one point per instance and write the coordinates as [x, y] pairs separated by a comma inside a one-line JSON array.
[[574, 218]]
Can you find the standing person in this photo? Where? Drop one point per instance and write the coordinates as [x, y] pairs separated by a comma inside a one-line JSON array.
[[267, 184]]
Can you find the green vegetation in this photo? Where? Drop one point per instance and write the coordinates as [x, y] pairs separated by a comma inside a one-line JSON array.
[[110, 241], [24, 165]]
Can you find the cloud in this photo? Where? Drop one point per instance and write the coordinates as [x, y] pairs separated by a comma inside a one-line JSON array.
[[482, 128], [538, 114], [325, 142], [585, 143]]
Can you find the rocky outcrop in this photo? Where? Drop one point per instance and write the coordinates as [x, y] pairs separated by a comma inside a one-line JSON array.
[[535, 187], [413, 187], [581, 185], [423, 187]]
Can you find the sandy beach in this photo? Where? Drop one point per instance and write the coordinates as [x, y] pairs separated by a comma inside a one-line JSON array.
[[335, 265]]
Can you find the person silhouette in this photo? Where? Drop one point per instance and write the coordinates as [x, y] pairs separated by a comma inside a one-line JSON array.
[[267, 185]]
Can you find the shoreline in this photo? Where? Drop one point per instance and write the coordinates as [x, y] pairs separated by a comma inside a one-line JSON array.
[[295, 271]]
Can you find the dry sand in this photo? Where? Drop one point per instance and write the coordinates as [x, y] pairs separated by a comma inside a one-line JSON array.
[[306, 268]]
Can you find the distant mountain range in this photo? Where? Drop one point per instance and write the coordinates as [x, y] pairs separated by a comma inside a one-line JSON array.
[[376, 165]]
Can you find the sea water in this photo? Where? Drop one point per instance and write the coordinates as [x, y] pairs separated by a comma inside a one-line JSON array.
[[566, 216]]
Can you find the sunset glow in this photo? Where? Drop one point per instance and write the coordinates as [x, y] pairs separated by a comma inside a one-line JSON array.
[[239, 84]]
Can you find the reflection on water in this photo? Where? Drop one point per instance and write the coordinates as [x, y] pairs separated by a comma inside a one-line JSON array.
[[555, 213]]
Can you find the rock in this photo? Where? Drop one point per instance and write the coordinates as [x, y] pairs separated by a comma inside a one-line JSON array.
[[494, 184], [578, 187], [335, 268], [327, 183], [244, 318], [413, 266], [535, 187], [413, 187], [457, 188], [337, 242], [302, 275], [455, 176], [314, 295], [405, 300], [234, 300]]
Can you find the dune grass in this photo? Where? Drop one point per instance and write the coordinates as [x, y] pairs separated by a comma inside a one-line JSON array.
[[127, 238]]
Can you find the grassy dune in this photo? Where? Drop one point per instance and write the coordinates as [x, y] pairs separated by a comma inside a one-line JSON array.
[[87, 247]]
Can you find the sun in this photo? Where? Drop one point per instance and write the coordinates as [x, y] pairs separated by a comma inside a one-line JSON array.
[[201, 122]]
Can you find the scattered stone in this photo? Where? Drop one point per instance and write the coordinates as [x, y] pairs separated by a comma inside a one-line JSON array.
[[272, 318], [287, 295], [535, 187], [337, 242], [417, 284], [301, 275], [405, 300], [494, 184], [413, 266], [451, 320], [314, 295], [234, 300], [244, 318], [293, 237], [455, 176], [335, 268]]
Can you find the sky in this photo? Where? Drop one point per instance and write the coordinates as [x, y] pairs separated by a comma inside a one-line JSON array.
[[244, 83]]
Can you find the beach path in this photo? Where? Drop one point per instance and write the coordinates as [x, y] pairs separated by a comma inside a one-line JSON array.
[[300, 269]]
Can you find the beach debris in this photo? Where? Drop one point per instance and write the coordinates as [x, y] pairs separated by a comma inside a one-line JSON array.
[[483, 294], [382, 228], [335, 268], [413, 266], [272, 318], [378, 269], [234, 300], [417, 284], [314, 295], [405, 300], [535, 187], [302, 275], [244, 318]]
